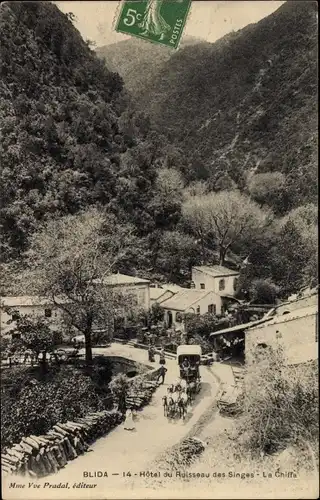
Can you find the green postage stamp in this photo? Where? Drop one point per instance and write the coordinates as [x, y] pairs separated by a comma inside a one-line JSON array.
[[159, 21]]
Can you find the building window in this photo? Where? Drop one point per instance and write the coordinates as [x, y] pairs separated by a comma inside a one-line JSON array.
[[202, 286], [48, 313], [15, 317], [178, 317], [211, 309], [262, 346], [235, 284], [198, 310], [222, 284]]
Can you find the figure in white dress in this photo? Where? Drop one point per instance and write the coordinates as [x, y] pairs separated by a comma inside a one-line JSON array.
[[129, 423]]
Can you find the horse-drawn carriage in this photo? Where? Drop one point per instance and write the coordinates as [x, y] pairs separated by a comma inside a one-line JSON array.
[[189, 358], [181, 394]]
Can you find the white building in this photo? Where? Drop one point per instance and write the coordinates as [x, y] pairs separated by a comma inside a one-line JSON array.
[[189, 301], [26, 305], [218, 279], [137, 290], [296, 331]]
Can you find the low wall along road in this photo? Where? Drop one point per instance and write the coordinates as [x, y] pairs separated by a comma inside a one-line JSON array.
[[40, 456], [118, 460]]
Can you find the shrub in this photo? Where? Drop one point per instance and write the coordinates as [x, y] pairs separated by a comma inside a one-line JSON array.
[[280, 404], [205, 344], [101, 371], [202, 325], [263, 291], [119, 387], [32, 404]]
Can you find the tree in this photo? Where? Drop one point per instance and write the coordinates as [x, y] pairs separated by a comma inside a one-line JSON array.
[[294, 257], [36, 335], [71, 259], [170, 183], [204, 325], [119, 386], [177, 253], [263, 291], [222, 181], [268, 188], [165, 205], [280, 402], [225, 220], [196, 188], [156, 314]]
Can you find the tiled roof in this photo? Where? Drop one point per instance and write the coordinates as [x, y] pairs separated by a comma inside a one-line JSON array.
[[217, 271], [122, 279], [156, 293], [237, 328], [24, 300], [172, 288], [183, 299], [295, 314]]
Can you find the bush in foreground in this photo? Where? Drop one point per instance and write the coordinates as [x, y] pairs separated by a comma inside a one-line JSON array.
[[280, 404], [32, 404]]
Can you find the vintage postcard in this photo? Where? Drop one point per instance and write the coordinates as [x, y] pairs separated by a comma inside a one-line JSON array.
[[159, 250]]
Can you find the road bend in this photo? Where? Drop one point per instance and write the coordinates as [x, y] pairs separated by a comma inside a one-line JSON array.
[[125, 455]]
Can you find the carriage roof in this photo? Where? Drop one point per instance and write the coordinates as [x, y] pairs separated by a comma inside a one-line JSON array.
[[189, 350]]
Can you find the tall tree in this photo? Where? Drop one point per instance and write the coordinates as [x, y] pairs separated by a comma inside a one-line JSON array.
[[268, 188], [225, 220], [178, 252], [71, 258], [36, 335], [294, 258]]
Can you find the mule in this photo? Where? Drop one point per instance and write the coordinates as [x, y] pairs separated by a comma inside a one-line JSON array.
[[182, 405], [165, 405], [171, 411]]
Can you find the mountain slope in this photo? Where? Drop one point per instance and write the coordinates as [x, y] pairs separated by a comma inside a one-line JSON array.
[[246, 103], [137, 61], [62, 146]]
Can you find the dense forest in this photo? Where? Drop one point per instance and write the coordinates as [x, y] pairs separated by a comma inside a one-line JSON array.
[[217, 162], [241, 106]]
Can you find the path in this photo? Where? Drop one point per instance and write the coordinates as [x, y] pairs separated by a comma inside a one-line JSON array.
[[124, 451]]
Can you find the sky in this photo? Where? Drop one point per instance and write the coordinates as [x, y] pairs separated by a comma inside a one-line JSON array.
[[209, 20]]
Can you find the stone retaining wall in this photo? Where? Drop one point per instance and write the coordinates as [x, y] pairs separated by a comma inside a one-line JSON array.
[[121, 364], [39, 456], [141, 389]]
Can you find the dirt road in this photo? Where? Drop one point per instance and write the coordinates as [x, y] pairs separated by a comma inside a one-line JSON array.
[[128, 453]]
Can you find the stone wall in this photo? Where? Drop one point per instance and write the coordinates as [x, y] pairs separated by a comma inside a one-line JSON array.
[[39, 456], [125, 365]]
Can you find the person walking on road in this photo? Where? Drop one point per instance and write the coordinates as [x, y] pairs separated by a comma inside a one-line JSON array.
[[162, 374], [162, 359]]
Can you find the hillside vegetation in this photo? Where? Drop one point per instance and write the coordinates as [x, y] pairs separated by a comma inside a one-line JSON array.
[[244, 105], [138, 62], [213, 162], [64, 147]]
